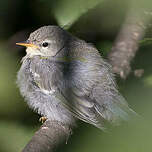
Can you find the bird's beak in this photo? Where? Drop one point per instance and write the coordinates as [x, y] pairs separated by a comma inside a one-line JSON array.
[[27, 44]]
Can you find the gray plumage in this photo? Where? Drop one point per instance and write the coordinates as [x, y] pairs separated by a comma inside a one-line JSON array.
[[69, 79]]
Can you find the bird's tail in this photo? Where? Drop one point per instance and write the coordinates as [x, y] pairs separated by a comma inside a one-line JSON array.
[[116, 112]]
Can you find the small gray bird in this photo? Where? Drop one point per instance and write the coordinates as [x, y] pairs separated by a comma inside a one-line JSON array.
[[64, 78]]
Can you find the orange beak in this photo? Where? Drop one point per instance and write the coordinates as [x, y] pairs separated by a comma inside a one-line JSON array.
[[27, 45]]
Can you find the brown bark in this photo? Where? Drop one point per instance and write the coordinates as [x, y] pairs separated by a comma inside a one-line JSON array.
[[48, 137], [127, 43]]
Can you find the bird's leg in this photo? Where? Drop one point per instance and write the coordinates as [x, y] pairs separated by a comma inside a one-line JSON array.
[[43, 119]]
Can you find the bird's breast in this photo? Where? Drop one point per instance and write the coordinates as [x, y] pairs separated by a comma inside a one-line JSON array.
[[39, 73]]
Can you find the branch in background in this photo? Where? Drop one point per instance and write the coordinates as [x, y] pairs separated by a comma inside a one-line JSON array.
[[138, 72], [127, 43], [48, 137]]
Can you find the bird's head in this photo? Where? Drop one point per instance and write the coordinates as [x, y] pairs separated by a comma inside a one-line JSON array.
[[46, 41]]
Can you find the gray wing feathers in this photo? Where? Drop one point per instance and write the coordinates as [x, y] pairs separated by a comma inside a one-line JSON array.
[[93, 79]]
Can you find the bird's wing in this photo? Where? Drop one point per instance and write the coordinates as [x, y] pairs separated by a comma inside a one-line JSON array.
[[94, 91]]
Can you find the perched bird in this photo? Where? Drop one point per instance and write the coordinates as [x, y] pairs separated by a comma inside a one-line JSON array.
[[64, 78]]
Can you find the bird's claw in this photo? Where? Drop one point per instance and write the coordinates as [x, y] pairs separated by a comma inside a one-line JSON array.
[[43, 119]]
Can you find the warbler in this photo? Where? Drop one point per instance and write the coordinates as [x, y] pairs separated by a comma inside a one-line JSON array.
[[64, 78]]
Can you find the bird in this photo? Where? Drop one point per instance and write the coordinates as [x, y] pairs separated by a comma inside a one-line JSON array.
[[64, 78]]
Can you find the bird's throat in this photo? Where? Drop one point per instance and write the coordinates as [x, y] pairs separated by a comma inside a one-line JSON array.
[[32, 52]]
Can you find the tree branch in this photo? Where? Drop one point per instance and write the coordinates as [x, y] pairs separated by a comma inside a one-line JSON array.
[[48, 137], [127, 42]]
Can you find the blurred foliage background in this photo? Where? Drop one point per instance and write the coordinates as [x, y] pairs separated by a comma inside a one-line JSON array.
[[97, 22]]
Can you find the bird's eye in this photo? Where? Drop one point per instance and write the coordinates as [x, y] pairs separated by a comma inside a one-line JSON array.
[[45, 44]]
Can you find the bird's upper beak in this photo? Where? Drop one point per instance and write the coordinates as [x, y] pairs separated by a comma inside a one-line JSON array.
[[26, 44]]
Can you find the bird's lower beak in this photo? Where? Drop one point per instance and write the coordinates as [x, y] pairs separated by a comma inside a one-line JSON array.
[[27, 44]]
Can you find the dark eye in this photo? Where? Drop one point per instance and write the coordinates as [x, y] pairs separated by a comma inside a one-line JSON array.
[[45, 44]]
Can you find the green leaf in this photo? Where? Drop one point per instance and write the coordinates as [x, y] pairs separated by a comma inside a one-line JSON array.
[[148, 80], [67, 12], [145, 41]]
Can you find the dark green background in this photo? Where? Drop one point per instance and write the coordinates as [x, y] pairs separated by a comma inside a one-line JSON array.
[[97, 22]]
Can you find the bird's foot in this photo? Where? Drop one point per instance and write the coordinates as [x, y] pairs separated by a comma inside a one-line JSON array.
[[43, 119]]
